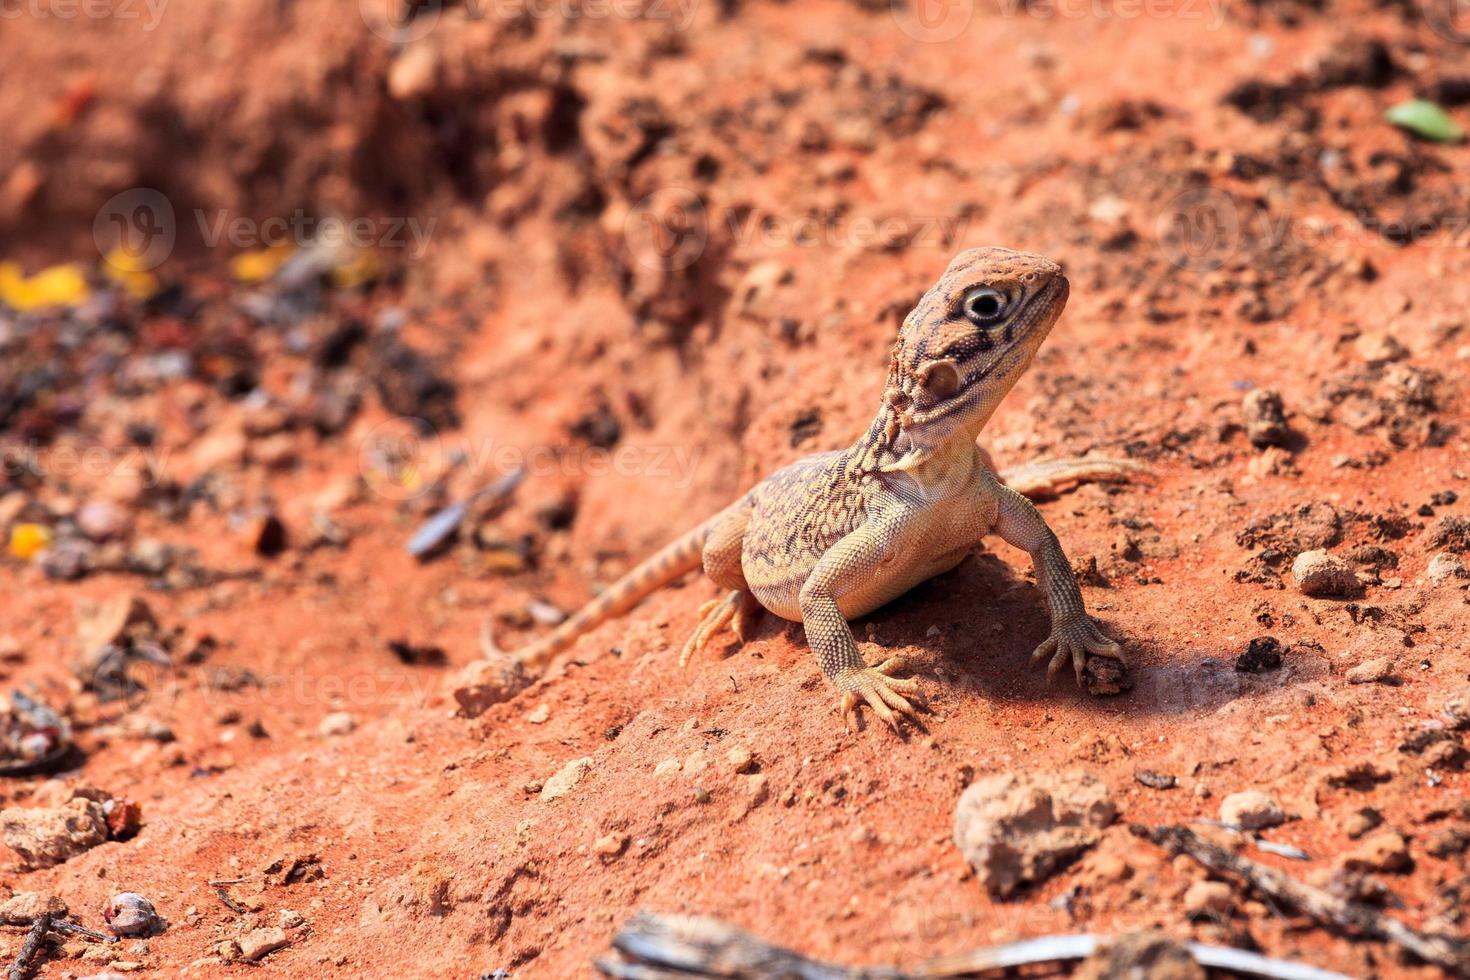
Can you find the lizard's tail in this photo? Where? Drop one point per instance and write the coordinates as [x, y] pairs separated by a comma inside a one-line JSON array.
[[1048, 476], [675, 559]]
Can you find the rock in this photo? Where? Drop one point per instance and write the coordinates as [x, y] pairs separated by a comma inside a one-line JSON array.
[[1261, 654], [1371, 671], [610, 846], [104, 623], [1140, 956], [1456, 709], [258, 943], [758, 788], [44, 836], [130, 914], [103, 520], [1443, 567], [1360, 821], [413, 73], [291, 919], [277, 452], [218, 450], [266, 534], [1265, 418], [1447, 754], [68, 560], [1105, 676], [1208, 898], [539, 715], [1379, 349], [740, 759], [337, 723], [1384, 851], [567, 777], [485, 683], [1450, 533], [668, 767], [1251, 810], [1320, 574], [22, 908], [1019, 828]]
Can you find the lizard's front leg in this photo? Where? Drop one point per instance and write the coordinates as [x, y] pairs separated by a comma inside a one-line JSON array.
[[1074, 634], [860, 558]]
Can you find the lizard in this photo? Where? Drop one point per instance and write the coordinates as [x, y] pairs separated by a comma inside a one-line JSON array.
[[838, 534]]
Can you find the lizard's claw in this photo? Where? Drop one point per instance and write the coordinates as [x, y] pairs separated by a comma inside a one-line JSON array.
[[883, 692], [1073, 641]]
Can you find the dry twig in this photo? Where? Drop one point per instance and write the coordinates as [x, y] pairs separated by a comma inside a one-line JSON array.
[[656, 947], [35, 939], [1352, 918]]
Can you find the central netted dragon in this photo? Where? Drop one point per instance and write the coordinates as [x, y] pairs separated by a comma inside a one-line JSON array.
[[838, 534]]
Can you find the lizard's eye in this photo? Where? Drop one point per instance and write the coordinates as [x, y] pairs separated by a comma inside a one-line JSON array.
[[983, 306]]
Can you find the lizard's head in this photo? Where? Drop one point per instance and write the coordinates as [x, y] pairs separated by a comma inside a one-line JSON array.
[[967, 341]]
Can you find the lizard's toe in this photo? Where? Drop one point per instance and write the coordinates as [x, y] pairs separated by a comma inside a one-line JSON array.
[[1073, 643], [881, 691], [714, 615]]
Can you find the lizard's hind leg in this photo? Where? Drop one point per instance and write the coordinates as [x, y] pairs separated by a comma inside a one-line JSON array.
[[722, 565], [714, 616]]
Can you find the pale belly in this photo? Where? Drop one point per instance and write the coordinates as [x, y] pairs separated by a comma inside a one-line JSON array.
[[946, 543]]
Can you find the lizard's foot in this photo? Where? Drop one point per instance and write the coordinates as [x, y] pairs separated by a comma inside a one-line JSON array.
[[714, 616], [883, 692], [1073, 641]]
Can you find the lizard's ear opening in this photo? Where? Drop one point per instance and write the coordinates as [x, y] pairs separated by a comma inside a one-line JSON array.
[[940, 379]]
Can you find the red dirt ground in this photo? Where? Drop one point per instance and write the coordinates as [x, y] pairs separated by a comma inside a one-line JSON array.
[[541, 148]]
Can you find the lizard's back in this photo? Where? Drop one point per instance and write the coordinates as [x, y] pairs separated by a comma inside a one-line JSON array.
[[796, 515]]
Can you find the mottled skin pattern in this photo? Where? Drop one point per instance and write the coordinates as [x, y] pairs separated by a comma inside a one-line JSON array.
[[836, 535]]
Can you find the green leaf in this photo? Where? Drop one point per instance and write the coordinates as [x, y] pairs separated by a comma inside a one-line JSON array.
[[1424, 118]]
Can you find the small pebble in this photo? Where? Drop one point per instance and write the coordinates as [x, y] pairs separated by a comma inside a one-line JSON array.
[[1251, 810], [740, 759], [337, 723], [1444, 566], [610, 845], [1322, 575], [1371, 671], [1208, 898]]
